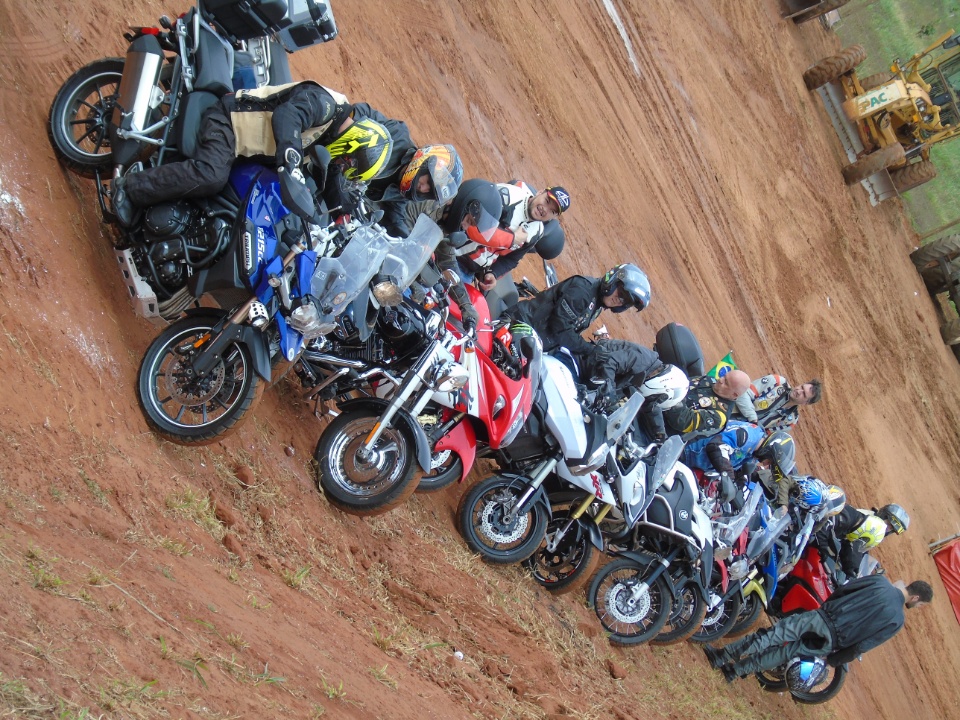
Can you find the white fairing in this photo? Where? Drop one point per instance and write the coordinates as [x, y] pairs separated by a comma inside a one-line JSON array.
[[593, 482], [564, 414], [673, 384], [701, 527]]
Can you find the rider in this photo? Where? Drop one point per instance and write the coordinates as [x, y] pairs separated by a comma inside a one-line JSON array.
[[613, 365], [859, 531], [704, 411], [273, 124], [738, 451], [525, 214], [771, 403], [560, 313]]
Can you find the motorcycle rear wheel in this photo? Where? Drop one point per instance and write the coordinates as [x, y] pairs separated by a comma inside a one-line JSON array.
[[629, 621], [481, 521], [686, 617], [361, 486], [80, 117], [566, 569], [219, 402]]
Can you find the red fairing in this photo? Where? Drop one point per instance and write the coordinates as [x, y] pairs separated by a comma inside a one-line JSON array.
[[810, 584]]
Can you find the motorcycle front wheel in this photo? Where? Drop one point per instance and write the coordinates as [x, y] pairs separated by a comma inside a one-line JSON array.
[[748, 617], [567, 568], [446, 467], [189, 410], [719, 620], [630, 613], [686, 617], [80, 116], [359, 482], [486, 524]]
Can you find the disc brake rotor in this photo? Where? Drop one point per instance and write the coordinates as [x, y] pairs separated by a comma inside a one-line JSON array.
[[193, 391], [438, 459], [622, 606], [492, 522]]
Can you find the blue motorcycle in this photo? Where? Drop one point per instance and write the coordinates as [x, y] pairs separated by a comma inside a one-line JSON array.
[[280, 285]]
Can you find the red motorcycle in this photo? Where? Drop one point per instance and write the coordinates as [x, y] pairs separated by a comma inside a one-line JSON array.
[[459, 394]]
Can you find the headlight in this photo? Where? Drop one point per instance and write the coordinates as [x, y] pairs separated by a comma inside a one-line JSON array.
[[449, 376], [387, 293], [306, 320]]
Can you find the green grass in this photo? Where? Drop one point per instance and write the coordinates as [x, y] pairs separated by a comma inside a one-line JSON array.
[[891, 29]]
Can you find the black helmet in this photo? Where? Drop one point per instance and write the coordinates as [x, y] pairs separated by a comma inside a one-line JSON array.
[[896, 517], [778, 447], [550, 244], [476, 197], [632, 284]]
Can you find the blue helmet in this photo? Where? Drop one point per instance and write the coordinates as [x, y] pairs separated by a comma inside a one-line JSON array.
[[811, 492]]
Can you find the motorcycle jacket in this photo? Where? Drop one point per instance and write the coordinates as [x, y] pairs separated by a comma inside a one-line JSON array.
[[270, 119], [727, 451], [856, 532], [765, 403], [560, 313], [862, 614], [619, 361], [702, 412]]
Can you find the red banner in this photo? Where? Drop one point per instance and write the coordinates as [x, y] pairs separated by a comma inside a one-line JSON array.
[[948, 563]]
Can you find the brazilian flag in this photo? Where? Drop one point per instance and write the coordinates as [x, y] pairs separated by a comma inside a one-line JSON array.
[[723, 367]]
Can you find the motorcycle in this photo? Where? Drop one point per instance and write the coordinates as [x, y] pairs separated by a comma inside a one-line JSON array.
[[633, 596], [283, 280], [115, 113], [505, 517], [455, 385]]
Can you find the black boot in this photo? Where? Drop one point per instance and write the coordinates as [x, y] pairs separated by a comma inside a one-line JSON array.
[[125, 210], [714, 656]]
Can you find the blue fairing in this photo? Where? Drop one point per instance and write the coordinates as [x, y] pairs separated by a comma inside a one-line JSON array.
[[263, 210]]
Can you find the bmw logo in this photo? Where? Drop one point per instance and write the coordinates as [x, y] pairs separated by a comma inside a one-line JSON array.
[[684, 514]]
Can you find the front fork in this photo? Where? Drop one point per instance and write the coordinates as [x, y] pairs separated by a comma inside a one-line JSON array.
[[414, 381], [553, 542], [638, 591]]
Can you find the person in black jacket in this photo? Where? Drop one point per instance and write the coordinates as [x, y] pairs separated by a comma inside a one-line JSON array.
[[560, 313], [858, 617]]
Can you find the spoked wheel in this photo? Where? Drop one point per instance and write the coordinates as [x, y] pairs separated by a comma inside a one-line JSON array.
[[567, 567], [629, 609], [80, 116], [748, 617], [686, 616], [189, 410], [361, 482], [489, 525], [719, 619]]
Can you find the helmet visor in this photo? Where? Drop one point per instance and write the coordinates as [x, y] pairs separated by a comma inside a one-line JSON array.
[[477, 216]]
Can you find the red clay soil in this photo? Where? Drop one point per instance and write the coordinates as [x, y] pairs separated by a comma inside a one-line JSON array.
[[141, 579]]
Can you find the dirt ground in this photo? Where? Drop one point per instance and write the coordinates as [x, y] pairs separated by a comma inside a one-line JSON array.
[[145, 580]]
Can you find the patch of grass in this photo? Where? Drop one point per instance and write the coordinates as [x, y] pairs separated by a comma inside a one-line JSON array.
[[295, 579], [381, 676], [94, 488], [257, 604], [333, 692], [164, 648], [173, 546], [195, 665], [235, 640], [132, 698], [194, 506]]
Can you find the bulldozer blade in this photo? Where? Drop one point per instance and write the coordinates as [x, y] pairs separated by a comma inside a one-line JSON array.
[[879, 186]]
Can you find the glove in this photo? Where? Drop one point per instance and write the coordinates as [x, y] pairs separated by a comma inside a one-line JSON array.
[[488, 282], [469, 318]]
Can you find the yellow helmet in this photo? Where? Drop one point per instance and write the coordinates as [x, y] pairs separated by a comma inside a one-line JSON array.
[[363, 149]]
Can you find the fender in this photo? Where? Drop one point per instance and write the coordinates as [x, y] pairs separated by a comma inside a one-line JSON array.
[[754, 587], [643, 558], [462, 439], [724, 575], [255, 340], [593, 532], [402, 417]]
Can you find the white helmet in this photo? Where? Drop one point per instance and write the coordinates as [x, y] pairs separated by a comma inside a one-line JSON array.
[[665, 389], [803, 674]]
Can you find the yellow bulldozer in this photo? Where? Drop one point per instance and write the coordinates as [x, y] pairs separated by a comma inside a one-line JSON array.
[[888, 121]]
